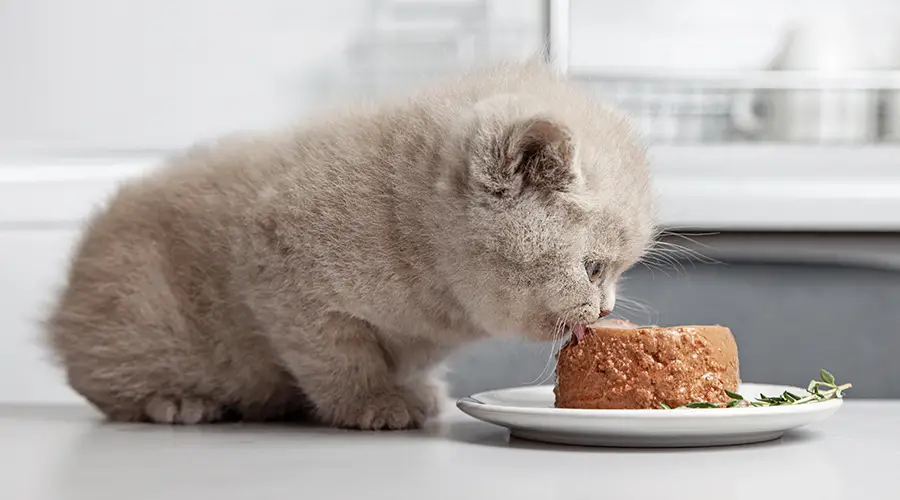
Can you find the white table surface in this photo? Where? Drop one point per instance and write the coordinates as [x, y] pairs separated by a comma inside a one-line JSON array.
[[53, 453]]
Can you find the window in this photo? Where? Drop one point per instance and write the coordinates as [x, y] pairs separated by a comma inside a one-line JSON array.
[[762, 114]]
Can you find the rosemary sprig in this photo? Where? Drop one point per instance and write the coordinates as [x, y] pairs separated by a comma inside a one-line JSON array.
[[818, 390]]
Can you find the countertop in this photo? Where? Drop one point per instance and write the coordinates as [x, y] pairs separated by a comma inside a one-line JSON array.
[[55, 452]]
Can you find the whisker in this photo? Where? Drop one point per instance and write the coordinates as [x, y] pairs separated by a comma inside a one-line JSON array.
[[687, 236], [632, 305], [554, 348], [672, 258], [682, 252], [660, 263], [557, 332], [652, 268], [686, 252]]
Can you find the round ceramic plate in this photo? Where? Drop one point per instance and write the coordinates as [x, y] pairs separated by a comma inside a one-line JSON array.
[[528, 413]]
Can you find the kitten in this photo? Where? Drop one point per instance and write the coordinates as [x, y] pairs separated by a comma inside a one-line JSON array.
[[328, 270]]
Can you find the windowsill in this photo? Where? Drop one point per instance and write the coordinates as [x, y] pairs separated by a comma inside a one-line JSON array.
[[775, 187], [700, 187]]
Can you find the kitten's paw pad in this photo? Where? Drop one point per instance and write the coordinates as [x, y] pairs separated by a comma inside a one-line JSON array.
[[388, 412], [187, 411]]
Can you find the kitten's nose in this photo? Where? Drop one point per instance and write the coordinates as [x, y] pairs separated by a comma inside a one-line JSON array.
[[604, 313]]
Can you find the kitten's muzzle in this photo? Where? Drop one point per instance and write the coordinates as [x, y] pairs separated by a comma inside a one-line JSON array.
[[587, 315]]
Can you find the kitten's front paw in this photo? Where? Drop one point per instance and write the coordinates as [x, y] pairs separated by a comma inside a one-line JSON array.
[[388, 410]]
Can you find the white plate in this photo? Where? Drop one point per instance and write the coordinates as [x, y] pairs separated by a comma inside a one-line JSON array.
[[528, 413]]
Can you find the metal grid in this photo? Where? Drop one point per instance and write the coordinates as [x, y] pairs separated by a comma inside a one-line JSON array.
[[855, 108]]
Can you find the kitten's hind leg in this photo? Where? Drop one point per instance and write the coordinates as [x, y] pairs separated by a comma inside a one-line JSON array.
[[188, 411], [348, 377], [156, 409]]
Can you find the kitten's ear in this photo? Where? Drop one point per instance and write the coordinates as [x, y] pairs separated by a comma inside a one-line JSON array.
[[533, 153], [541, 151], [511, 145]]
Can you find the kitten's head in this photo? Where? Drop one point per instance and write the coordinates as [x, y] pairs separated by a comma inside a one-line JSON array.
[[553, 203]]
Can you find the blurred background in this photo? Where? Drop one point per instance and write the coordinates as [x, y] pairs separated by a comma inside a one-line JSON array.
[[775, 133]]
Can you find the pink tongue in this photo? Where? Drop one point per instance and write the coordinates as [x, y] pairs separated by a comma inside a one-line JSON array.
[[578, 331]]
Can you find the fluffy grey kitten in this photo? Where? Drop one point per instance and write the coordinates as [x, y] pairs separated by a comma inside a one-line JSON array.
[[327, 270]]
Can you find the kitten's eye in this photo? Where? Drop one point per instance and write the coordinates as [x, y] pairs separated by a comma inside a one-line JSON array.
[[594, 270]]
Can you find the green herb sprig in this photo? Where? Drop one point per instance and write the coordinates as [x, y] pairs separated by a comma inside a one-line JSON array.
[[818, 390]]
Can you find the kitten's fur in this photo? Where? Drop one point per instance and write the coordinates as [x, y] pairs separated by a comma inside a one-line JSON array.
[[332, 268]]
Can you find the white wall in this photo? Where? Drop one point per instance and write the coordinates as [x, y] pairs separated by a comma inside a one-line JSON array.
[[114, 74], [131, 74]]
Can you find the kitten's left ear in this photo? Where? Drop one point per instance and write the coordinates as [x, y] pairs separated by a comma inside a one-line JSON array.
[[541, 151]]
